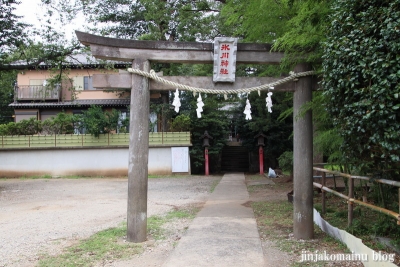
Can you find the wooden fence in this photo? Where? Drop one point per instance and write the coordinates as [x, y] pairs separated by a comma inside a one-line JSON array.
[[85, 140], [350, 197]]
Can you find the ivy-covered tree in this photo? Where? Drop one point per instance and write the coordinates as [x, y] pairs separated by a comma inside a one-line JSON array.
[[361, 81]]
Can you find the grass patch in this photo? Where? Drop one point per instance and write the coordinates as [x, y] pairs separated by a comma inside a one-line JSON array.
[[155, 223], [255, 188], [103, 246], [275, 222], [44, 176], [367, 224], [255, 177], [214, 185], [109, 244]]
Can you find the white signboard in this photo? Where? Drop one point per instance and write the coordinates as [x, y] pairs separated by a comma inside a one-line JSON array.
[[225, 49], [180, 159]]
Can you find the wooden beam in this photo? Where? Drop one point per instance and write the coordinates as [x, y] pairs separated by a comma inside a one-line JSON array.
[[183, 56], [91, 39], [173, 52], [123, 81]]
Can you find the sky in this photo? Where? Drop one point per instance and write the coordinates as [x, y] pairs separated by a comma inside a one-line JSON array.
[[31, 11]]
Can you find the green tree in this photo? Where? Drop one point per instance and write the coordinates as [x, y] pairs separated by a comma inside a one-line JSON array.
[[12, 33], [299, 29], [19, 41], [29, 127], [361, 82], [278, 131], [22, 47], [96, 121], [112, 119], [7, 81], [146, 19], [181, 123], [214, 120], [295, 27], [62, 123]]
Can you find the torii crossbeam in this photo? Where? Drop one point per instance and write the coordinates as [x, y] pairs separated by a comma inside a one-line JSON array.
[[141, 53]]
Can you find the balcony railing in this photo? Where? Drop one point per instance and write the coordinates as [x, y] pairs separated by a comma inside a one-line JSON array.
[[37, 92]]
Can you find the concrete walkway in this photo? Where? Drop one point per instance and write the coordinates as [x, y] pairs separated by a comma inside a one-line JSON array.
[[224, 233]]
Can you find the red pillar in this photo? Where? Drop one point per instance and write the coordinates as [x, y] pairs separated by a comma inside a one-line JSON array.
[[261, 159], [206, 158]]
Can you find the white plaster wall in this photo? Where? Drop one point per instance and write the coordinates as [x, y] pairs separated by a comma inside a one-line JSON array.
[[90, 162]]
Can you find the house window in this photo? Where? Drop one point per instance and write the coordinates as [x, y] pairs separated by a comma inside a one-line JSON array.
[[87, 83], [36, 82], [83, 83]]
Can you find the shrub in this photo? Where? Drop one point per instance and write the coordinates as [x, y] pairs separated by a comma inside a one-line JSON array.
[[286, 161], [181, 123], [30, 127]]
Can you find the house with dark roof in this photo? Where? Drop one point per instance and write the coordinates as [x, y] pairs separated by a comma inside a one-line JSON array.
[[37, 95]]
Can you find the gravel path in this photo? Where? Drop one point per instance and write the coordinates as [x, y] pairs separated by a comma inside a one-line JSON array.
[[46, 215]]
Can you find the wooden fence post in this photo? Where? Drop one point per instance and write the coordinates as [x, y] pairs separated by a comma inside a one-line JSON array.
[[323, 193], [349, 203]]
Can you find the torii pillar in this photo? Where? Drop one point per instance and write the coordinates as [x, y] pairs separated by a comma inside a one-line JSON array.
[[138, 154], [303, 220], [142, 52]]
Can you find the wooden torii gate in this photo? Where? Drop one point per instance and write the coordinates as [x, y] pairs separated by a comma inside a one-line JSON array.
[[141, 53]]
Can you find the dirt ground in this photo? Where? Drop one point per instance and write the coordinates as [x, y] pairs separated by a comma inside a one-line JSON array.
[[46, 215]]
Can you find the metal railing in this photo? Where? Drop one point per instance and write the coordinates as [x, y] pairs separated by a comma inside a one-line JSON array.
[[350, 197], [37, 92], [86, 140]]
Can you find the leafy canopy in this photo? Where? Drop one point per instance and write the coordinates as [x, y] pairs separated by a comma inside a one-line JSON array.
[[181, 20], [295, 27]]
